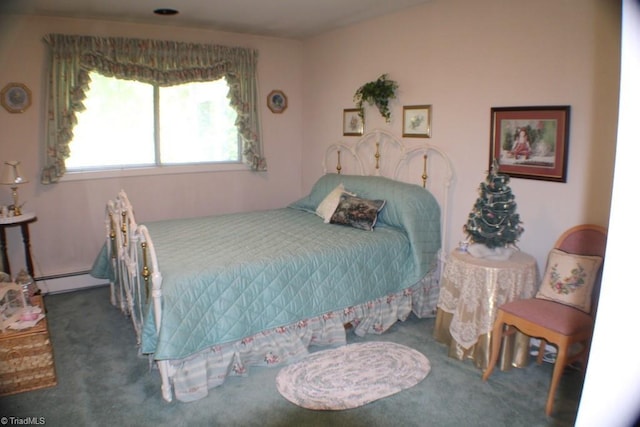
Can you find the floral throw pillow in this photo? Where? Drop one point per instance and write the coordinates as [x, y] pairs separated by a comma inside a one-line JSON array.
[[357, 212], [569, 279], [328, 206]]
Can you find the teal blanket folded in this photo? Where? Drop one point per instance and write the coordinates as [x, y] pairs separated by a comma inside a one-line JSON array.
[[408, 207]]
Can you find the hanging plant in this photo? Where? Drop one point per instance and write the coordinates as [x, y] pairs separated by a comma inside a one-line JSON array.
[[378, 93]]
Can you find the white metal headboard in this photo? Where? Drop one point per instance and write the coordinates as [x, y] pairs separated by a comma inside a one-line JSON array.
[[381, 153]]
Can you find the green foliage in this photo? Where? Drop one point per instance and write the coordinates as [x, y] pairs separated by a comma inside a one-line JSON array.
[[378, 93], [493, 220]]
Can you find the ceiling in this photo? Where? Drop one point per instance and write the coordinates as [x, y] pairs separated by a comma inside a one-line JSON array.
[[297, 19]]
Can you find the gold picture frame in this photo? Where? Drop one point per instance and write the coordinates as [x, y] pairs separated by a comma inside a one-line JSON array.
[[277, 101], [15, 97], [416, 121], [352, 123]]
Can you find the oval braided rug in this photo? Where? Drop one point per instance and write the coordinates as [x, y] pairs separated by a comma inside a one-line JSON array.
[[352, 375]]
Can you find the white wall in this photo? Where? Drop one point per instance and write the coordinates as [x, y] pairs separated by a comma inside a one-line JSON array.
[[611, 393], [464, 57], [70, 230]]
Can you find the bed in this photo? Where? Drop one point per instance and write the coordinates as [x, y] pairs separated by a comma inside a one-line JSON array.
[[210, 297]]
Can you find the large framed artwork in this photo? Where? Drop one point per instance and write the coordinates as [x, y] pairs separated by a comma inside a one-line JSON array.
[[531, 142]]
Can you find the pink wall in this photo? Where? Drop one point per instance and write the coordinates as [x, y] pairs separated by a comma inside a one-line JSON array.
[[464, 57], [70, 230], [461, 56]]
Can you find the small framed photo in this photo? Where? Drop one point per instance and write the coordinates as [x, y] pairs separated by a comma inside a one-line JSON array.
[[277, 101], [352, 124], [531, 142], [416, 121]]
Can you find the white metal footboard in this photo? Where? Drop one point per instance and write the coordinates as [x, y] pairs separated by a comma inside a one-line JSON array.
[[134, 264], [122, 250], [117, 293], [150, 259], [130, 267]]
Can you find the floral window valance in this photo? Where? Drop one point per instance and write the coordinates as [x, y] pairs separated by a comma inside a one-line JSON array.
[[164, 63]]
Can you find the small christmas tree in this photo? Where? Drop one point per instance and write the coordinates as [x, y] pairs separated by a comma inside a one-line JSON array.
[[493, 221]]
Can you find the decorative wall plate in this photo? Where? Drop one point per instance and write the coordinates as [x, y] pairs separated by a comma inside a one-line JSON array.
[[15, 97], [277, 101]]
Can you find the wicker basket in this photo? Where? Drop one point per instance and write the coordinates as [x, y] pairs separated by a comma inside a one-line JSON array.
[[26, 360]]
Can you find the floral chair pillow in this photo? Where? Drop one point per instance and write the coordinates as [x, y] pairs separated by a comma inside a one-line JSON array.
[[569, 279]]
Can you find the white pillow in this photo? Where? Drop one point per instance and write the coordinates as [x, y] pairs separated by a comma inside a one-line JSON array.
[[328, 206], [569, 279]]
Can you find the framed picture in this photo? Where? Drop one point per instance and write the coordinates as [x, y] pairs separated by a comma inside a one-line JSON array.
[[416, 121], [15, 97], [531, 142], [277, 101], [352, 124]]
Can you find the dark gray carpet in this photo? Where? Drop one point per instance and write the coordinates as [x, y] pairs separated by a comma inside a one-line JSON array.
[[103, 382]]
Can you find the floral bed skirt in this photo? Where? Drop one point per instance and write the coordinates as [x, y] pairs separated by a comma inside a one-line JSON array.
[[194, 376]]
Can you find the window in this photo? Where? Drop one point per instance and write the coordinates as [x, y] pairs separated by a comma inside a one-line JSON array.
[[130, 124], [157, 62]]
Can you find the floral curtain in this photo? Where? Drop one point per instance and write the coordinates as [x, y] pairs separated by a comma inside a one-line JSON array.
[[164, 63]]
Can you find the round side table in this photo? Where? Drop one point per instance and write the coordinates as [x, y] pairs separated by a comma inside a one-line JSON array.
[[471, 291], [23, 222]]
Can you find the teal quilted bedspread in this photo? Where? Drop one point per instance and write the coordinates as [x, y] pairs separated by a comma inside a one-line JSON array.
[[231, 276]]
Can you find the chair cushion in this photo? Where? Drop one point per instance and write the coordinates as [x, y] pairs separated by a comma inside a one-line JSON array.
[[569, 279], [550, 315]]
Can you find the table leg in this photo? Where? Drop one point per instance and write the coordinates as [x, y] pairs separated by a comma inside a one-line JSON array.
[[514, 351], [3, 248], [27, 247]]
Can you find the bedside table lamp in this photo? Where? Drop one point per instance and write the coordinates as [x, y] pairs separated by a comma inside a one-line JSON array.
[[12, 176]]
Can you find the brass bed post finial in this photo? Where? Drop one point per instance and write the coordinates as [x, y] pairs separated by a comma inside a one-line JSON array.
[[424, 171], [112, 235], [339, 166], [377, 155], [124, 229], [146, 273]]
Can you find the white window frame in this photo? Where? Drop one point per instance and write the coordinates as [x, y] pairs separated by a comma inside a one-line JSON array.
[[158, 168], [154, 170]]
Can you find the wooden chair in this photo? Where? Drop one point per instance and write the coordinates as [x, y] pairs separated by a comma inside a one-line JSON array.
[[551, 321]]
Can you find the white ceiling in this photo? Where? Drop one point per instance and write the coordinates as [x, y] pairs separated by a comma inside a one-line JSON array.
[[296, 19]]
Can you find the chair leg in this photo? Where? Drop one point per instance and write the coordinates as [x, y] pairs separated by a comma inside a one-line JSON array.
[[496, 340], [541, 349], [584, 357], [558, 368]]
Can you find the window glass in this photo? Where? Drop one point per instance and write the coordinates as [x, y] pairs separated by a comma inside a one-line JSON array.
[[117, 129], [197, 124]]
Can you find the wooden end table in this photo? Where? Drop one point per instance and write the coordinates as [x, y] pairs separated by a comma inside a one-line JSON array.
[[23, 222]]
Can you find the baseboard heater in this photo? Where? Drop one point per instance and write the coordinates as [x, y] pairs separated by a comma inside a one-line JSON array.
[[68, 282]]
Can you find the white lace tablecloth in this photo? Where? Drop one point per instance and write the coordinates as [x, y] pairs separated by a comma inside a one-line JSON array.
[[473, 288]]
